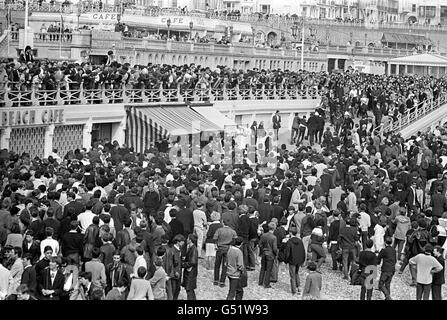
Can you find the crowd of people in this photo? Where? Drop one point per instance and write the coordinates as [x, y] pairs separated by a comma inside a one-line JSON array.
[[107, 223], [344, 91]]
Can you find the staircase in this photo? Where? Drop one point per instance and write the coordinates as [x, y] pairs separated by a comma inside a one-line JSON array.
[[421, 118]]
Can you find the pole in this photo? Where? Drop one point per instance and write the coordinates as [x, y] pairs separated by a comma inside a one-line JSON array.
[[25, 38], [302, 47]]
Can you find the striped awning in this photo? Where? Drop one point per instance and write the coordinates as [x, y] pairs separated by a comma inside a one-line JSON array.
[[142, 130], [150, 124]]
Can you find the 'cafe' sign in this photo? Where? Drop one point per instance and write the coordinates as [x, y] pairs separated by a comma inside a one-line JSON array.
[[26, 117]]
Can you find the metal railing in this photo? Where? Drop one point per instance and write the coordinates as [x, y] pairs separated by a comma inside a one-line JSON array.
[[412, 115], [17, 95]]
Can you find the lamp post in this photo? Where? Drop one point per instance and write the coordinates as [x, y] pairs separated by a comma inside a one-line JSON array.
[[191, 25], [25, 36], [168, 23]]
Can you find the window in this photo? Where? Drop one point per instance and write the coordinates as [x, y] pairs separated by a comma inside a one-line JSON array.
[[413, 8], [443, 11], [430, 11]]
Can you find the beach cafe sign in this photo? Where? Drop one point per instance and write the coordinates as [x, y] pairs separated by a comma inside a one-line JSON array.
[[103, 17], [182, 21], [26, 117]]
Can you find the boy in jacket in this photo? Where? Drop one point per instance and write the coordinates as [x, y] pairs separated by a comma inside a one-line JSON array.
[[294, 256]]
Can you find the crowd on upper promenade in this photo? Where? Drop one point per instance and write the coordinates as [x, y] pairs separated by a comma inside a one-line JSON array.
[[342, 91]]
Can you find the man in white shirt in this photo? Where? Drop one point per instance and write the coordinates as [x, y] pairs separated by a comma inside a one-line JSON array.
[[140, 261], [49, 241], [200, 223], [365, 223], [86, 218]]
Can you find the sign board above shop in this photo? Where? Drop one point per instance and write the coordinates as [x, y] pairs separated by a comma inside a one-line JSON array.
[[30, 117]]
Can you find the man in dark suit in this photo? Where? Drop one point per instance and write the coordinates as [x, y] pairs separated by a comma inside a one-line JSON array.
[[119, 214], [286, 195], [72, 243], [31, 246], [116, 272], [175, 225], [186, 217], [51, 282], [73, 203], [438, 202], [29, 273], [268, 250], [276, 123], [412, 200], [265, 210]]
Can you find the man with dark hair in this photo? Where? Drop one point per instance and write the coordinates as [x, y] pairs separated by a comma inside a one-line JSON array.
[[367, 258], [235, 270], [190, 267], [173, 267], [51, 283], [25, 293], [426, 265], [346, 241], [268, 250], [51, 221], [294, 256], [72, 243], [29, 277], [16, 271], [119, 214], [388, 255], [97, 269], [223, 237], [115, 272]]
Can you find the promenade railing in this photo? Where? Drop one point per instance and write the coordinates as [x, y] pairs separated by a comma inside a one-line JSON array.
[[14, 95]]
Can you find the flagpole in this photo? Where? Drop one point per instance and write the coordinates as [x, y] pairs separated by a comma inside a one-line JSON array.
[[25, 38], [60, 37], [302, 47]]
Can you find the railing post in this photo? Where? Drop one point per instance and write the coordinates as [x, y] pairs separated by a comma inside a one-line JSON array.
[[144, 97], [125, 97], [224, 93], [238, 94], [179, 96], [81, 94], [162, 96], [58, 96], [34, 101], [8, 102], [264, 96], [210, 95]]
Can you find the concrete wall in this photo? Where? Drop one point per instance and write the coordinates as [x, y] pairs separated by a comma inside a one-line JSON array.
[[246, 111]]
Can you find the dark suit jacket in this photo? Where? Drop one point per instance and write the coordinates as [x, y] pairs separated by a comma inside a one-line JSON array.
[[438, 203], [53, 223], [30, 279], [410, 198], [34, 250], [78, 205], [268, 245], [187, 219], [45, 283], [286, 195], [119, 215], [276, 121], [265, 212]]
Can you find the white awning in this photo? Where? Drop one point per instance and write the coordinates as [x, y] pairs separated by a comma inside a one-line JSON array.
[[213, 115]]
